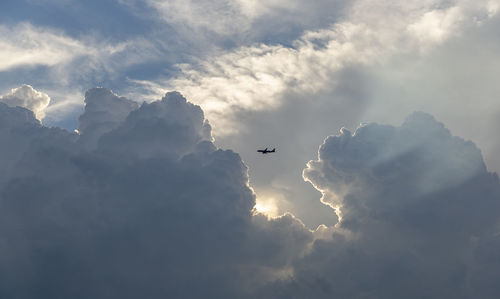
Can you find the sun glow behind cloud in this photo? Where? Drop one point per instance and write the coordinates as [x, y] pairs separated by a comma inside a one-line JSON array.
[[267, 206], [175, 205], [147, 189]]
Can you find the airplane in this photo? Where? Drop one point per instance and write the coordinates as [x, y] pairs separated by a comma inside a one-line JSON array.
[[266, 151]]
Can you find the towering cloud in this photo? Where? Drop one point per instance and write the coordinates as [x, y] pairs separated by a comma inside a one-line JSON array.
[[151, 208], [419, 216], [104, 111], [142, 204]]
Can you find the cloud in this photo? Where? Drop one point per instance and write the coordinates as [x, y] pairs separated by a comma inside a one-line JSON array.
[[261, 76], [215, 15], [26, 45], [418, 210], [66, 59], [104, 111], [247, 22], [443, 82], [152, 208], [146, 205], [27, 97]]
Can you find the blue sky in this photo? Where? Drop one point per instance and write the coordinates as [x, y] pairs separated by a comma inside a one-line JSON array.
[[303, 76]]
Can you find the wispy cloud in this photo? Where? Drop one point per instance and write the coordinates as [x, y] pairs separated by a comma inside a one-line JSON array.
[[70, 64], [25, 45], [258, 77]]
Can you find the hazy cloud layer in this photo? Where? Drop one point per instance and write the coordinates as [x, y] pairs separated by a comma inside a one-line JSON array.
[[242, 22], [259, 77], [151, 208], [228, 63]]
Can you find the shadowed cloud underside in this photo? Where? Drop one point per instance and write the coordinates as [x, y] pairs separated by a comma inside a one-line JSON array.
[[141, 203]]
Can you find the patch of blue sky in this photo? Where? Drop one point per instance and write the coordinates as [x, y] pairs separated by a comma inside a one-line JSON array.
[[106, 18]]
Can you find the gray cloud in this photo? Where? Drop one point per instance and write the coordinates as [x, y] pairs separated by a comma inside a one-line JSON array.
[[419, 216], [104, 111], [455, 83], [235, 23], [258, 77], [380, 54], [151, 208]]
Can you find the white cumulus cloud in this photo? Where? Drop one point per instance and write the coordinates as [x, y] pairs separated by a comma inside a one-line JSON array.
[[26, 96]]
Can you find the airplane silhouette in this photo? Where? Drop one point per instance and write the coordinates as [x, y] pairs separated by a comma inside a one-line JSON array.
[[266, 151]]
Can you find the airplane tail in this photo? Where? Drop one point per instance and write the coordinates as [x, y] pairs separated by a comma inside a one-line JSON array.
[[274, 149]]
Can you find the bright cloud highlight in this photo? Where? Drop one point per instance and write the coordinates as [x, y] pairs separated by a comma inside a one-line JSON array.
[[146, 205], [27, 97]]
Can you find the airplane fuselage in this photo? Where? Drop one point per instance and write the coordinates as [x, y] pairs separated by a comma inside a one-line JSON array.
[[266, 151]]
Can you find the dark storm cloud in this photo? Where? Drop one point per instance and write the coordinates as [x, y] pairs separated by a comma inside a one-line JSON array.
[[147, 206]]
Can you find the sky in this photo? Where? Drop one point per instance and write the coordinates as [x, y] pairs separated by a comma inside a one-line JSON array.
[[129, 132]]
